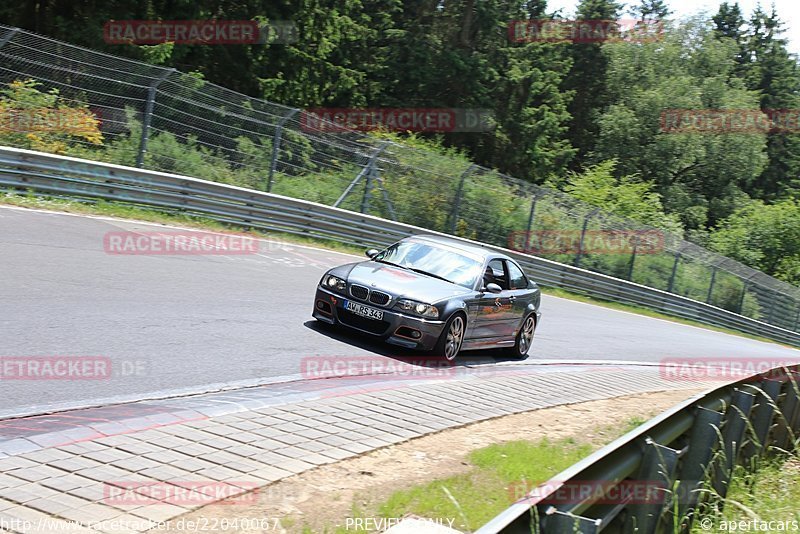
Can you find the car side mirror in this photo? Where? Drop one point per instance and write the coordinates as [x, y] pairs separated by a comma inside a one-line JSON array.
[[371, 253], [493, 288]]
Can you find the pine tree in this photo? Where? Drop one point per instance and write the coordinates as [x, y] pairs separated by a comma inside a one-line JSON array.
[[586, 81]]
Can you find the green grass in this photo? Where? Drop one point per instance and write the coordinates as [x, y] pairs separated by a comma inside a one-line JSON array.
[[771, 493], [498, 476], [127, 211]]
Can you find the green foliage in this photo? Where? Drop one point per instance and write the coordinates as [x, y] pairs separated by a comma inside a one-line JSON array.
[[30, 118], [626, 196], [764, 236]]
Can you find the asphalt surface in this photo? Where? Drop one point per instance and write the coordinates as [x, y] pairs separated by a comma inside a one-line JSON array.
[[177, 323]]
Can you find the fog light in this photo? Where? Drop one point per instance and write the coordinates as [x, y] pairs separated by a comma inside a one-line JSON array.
[[416, 334]]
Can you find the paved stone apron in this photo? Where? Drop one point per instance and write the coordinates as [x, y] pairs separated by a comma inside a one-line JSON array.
[[56, 470]]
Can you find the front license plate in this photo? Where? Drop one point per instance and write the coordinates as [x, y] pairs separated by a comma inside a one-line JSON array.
[[363, 311]]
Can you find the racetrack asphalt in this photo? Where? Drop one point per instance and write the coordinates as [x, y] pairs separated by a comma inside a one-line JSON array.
[[172, 323]]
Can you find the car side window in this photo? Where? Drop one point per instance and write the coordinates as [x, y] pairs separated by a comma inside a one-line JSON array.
[[495, 274], [516, 277]]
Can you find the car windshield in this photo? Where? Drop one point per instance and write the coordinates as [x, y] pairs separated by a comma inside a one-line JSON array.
[[429, 259]]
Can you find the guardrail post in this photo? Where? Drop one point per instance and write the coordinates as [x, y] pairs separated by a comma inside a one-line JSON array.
[[763, 412], [457, 201], [658, 466], [737, 416], [694, 466], [578, 256], [785, 431], [711, 285], [148, 114], [276, 146]]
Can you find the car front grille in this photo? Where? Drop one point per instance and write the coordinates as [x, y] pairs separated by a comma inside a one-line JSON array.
[[362, 323], [379, 298], [359, 292]]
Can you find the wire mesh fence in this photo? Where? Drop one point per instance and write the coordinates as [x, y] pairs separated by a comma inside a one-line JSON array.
[[165, 120]]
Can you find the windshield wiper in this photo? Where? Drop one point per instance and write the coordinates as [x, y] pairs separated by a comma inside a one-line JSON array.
[[420, 271]]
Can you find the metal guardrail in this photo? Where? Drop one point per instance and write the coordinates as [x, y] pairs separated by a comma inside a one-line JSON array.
[[663, 473], [48, 174]]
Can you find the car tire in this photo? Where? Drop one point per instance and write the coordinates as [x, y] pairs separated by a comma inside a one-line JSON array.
[[524, 340], [452, 337]]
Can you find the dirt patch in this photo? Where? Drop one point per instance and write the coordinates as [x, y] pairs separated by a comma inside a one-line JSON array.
[[325, 496]]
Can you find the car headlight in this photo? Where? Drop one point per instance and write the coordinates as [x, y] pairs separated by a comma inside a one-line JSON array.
[[418, 308], [333, 282]]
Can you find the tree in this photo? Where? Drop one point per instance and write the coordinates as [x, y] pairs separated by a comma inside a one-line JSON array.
[[701, 176], [766, 237], [773, 72], [586, 80], [651, 10], [625, 196]]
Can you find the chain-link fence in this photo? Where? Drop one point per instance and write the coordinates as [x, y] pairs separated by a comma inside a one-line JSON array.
[[161, 119]]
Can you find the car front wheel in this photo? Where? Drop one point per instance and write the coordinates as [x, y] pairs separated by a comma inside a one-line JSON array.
[[452, 336]]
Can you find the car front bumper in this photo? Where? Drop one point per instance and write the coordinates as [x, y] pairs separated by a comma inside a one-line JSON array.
[[395, 328]]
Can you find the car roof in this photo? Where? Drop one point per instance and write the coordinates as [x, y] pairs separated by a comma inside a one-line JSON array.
[[469, 248]]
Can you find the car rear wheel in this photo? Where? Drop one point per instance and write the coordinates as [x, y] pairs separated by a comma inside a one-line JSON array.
[[452, 336], [524, 338]]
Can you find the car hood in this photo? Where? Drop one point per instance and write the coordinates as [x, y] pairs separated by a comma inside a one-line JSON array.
[[403, 283]]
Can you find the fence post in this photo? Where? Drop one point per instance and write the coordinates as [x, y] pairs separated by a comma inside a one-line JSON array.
[[741, 299], [367, 189], [8, 37], [457, 202], [364, 172], [633, 257], [772, 307], [797, 317], [530, 225], [276, 146], [148, 114], [711, 285], [577, 262], [671, 284]]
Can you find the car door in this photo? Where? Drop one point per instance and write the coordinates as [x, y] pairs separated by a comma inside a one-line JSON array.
[[492, 312], [520, 294]]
